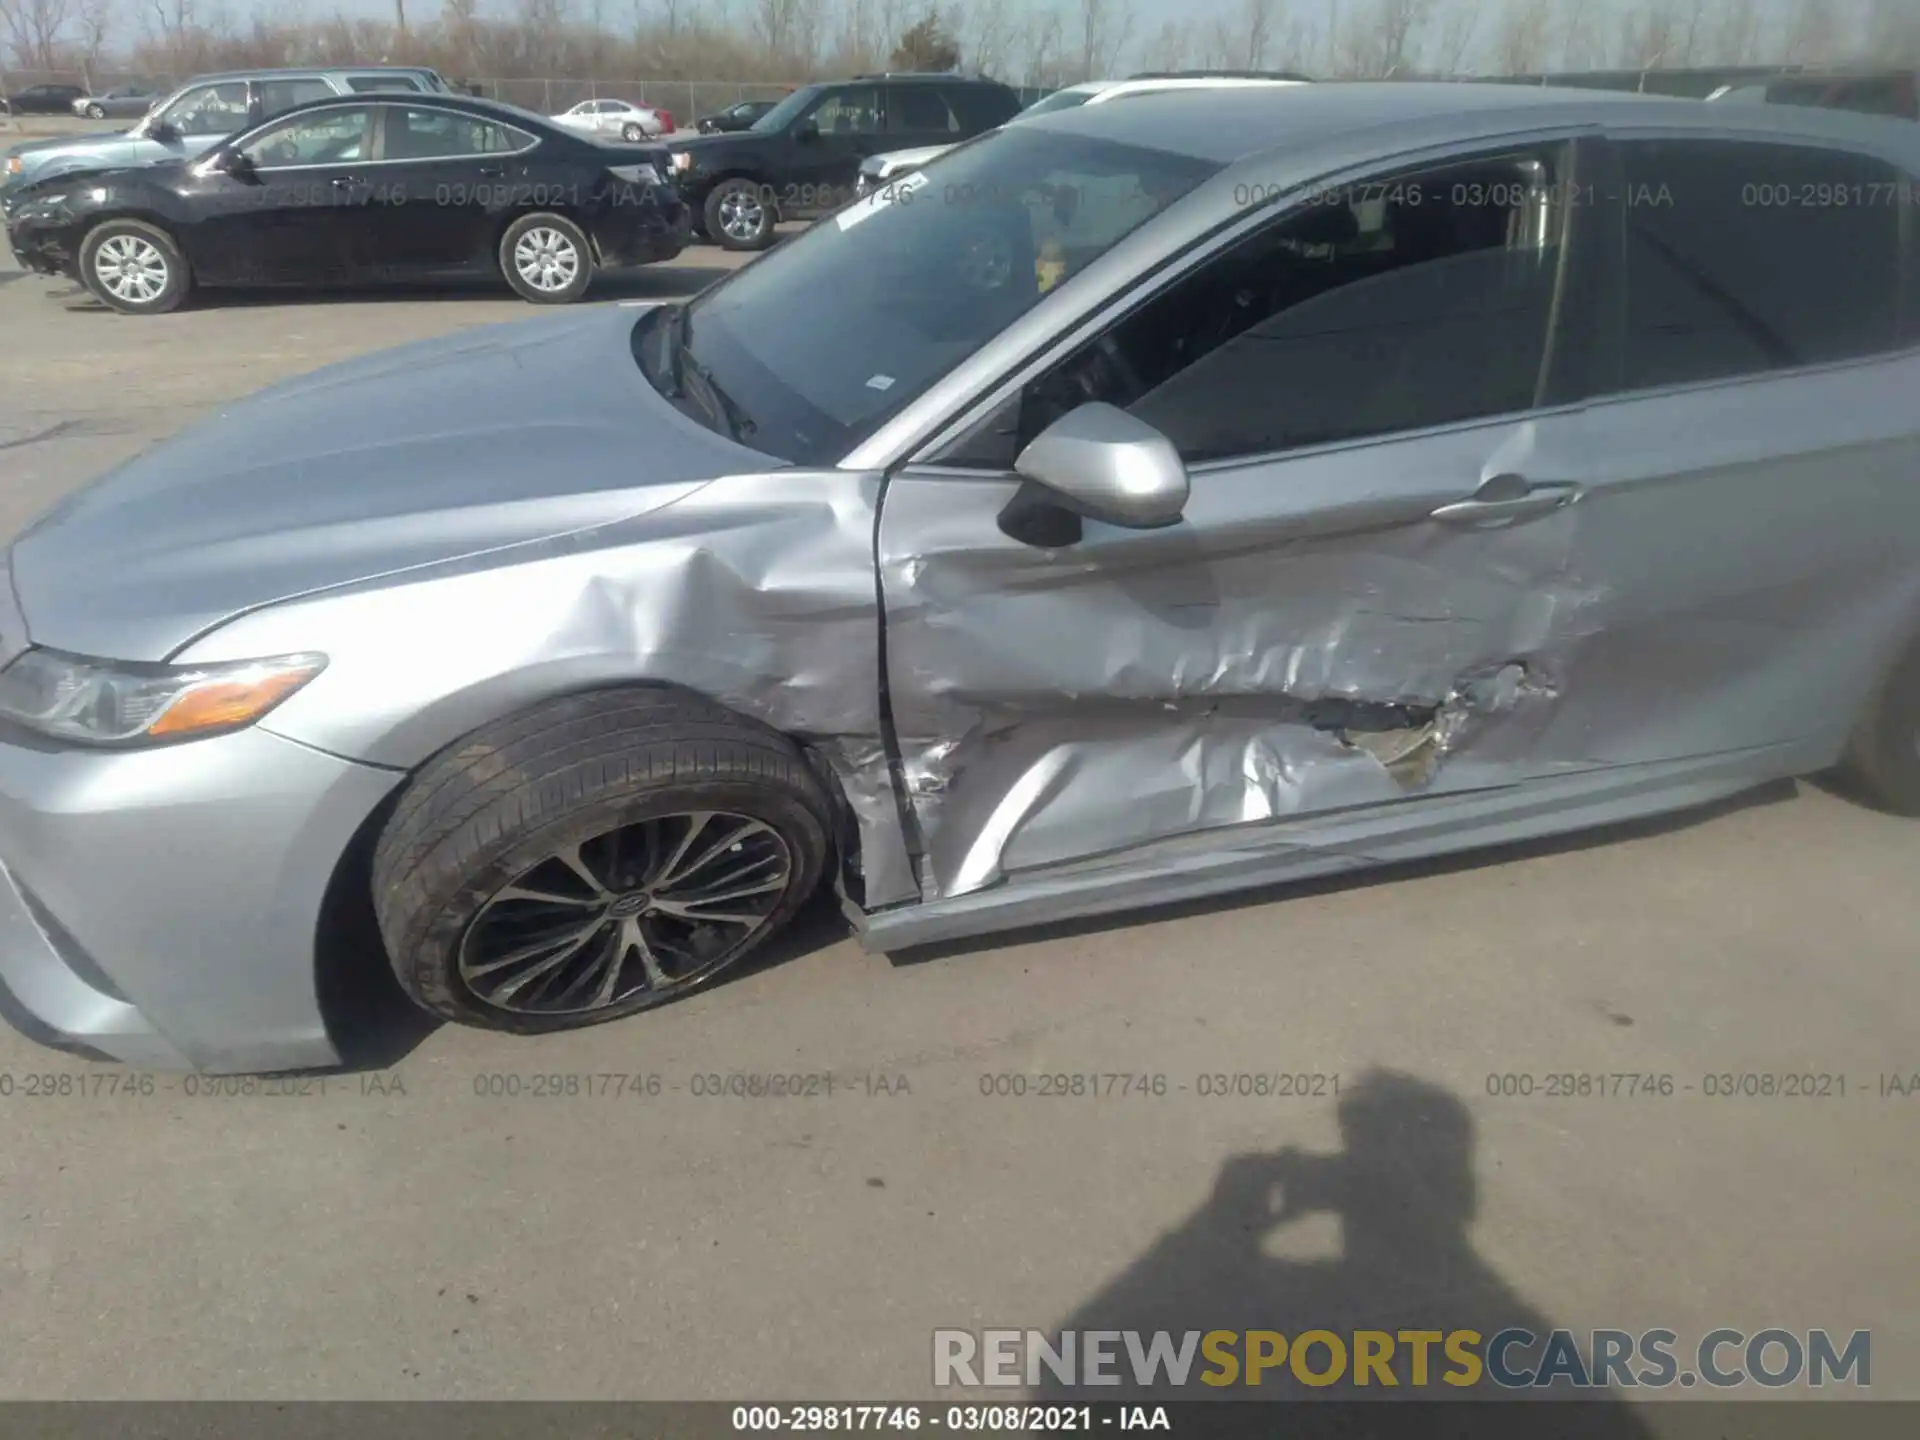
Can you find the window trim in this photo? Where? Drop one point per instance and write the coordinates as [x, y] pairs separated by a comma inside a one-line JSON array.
[[378, 145], [928, 457], [267, 126], [1612, 317]]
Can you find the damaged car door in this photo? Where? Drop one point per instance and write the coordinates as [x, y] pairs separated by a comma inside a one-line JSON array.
[[1350, 600]]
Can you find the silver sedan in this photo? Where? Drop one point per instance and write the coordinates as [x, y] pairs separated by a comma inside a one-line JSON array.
[[1142, 503]]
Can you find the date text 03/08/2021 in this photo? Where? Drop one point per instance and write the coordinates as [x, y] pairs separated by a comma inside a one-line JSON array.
[[949, 1419]]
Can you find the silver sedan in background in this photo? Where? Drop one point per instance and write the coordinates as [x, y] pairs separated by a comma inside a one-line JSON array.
[[1146, 502], [620, 119]]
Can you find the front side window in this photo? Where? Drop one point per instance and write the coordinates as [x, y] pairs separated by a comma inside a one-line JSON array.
[[210, 109], [1745, 258], [853, 110], [1388, 306], [822, 340], [787, 111], [279, 96], [340, 136]]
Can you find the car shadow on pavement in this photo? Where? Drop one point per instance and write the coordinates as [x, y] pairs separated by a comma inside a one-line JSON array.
[[1772, 793], [665, 282], [1403, 1192]]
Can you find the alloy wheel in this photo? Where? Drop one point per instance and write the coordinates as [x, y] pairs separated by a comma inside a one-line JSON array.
[[546, 259], [642, 912], [131, 268], [741, 215]]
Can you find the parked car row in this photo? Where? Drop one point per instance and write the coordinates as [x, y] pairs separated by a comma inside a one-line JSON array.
[[1380, 470]]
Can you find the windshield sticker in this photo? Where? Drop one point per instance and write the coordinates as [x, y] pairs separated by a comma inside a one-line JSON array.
[[892, 190], [880, 382]]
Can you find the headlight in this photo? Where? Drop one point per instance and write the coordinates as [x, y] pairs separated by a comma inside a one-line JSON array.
[[682, 160], [635, 174], [118, 702]]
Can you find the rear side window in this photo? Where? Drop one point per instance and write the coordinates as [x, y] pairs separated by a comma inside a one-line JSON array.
[[921, 109], [279, 96], [361, 84], [981, 107], [423, 134], [1746, 258]]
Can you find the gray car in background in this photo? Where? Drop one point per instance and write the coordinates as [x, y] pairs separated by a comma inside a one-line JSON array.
[[1365, 472], [121, 102], [199, 115]]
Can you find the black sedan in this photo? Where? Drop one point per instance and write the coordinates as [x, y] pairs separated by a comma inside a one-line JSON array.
[[735, 117], [355, 189], [42, 100]]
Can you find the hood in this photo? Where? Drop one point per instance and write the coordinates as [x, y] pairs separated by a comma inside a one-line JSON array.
[[503, 435], [94, 152], [726, 140]]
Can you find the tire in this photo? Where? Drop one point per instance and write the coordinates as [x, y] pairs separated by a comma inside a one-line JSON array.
[[121, 260], [96, 112], [631, 132], [1882, 760], [489, 812], [567, 270], [739, 215]]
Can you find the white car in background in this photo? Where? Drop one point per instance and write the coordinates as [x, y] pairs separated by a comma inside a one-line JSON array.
[[620, 119], [876, 170]]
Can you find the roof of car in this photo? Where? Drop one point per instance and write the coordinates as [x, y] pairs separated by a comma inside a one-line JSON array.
[[1230, 124], [295, 72], [465, 104]]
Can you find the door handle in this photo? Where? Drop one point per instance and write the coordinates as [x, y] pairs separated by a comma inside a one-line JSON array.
[[344, 182], [493, 172], [1507, 497]]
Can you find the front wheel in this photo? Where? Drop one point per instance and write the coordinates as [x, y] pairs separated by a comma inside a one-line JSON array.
[[96, 112], [1882, 762], [739, 215], [631, 132], [134, 267], [546, 259], [596, 856]]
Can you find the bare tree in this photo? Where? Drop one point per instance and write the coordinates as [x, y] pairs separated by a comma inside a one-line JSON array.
[[1255, 32], [1520, 43], [1648, 37], [1734, 38], [1814, 32], [1381, 39], [987, 35], [1172, 45], [1105, 28], [1455, 37], [94, 24], [1576, 22], [1893, 30], [33, 30]]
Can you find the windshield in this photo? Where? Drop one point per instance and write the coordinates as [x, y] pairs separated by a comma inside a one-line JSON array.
[[787, 111], [1059, 100], [818, 343]]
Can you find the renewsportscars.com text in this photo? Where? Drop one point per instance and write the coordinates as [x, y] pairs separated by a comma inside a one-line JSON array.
[[1513, 1359]]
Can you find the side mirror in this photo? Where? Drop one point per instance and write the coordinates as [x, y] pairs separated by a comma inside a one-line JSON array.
[[164, 131], [807, 129], [236, 164], [1101, 463]]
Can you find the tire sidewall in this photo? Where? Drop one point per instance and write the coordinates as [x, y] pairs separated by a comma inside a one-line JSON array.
[[632, 133], [179, 281], [444, 911], [577, 236], [96, 112], [717, 232]]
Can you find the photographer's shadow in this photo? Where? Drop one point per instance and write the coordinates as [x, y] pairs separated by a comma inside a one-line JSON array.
[[1403, 1194]]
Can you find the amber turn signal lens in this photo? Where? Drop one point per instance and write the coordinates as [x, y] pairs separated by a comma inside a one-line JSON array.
[[231, 701]]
